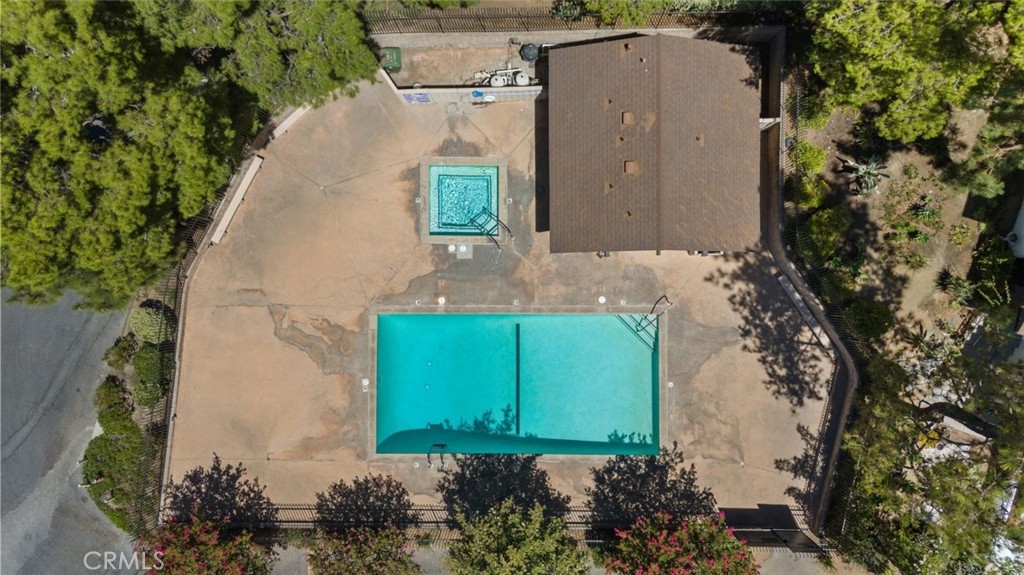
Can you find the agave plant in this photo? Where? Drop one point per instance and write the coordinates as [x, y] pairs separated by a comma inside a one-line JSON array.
[[867, 175]]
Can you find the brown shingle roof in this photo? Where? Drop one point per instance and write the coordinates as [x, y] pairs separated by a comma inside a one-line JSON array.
[[654, 144]]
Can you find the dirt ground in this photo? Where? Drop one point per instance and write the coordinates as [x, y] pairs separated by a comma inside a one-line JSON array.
[[917, 296]]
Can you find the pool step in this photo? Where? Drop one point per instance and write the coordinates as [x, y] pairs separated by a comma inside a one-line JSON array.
[[643, 326]]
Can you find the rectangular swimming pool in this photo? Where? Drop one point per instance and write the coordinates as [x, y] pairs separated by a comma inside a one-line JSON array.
[[517, 383]]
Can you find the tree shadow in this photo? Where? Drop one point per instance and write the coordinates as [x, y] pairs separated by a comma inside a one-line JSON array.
[[628, 487], [772, 328], [374, 501], [481, 482], [222, 495], [808, 466]]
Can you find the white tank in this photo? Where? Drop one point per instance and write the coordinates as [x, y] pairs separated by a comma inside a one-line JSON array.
[[522, 79], [499, 81]]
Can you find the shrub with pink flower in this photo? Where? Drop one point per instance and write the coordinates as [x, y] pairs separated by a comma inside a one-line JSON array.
[[197, 547], [701, 545]]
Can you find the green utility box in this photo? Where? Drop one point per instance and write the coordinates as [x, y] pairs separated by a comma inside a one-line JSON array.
[[391, 59]]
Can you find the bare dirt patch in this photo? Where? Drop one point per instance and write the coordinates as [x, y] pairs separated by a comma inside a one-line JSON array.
[[915, 224]]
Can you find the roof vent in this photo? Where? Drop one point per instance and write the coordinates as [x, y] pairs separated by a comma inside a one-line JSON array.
[[630, 167], [627, 47], [628, 118]]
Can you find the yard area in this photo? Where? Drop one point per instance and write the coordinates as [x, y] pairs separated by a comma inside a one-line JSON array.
[[279, 329]]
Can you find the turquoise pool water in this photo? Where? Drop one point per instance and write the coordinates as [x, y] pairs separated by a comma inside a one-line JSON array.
[[463, 200], [516, 383]]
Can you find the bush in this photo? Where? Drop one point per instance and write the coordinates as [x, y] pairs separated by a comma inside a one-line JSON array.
[[870, 319], [118, 355], [154, 368], [915, 260], [700, 545], [149, 394], [825, 233], [152, 365], [959, 235], [363, 552], [807, 159], [151, 325], [509, 540], [112, 460], [836, 286], [810, 192], [111, 395], [814, 112], [194, 546], [959, 288], [569, 10]]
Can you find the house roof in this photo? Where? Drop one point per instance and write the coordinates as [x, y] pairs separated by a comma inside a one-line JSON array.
[[653, 145]]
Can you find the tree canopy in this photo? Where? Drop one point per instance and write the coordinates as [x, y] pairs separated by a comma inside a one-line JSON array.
[[511, 541], [926, 499], [122, 119], [197, 547], [664, 544], [915, 59], [362, 552], [374, 500], [481, 482], [630, 487], [221, 494]]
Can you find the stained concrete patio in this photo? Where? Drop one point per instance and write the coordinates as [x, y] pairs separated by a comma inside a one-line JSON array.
[[277, 332]]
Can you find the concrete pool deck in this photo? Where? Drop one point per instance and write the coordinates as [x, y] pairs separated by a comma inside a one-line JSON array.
[[278, 329]]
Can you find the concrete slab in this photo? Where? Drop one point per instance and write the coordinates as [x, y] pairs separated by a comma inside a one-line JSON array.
[[279, 331]]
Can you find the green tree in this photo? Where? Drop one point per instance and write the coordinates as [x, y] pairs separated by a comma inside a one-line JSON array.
[[908, 507], [870, 319], [629, 487], [999, 152], [916, 58], [511, 541], [221, 494], [375, 501], [285, 53], [362, 552], [105, 145], [662, 544], [478, 483], [197, 547]]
